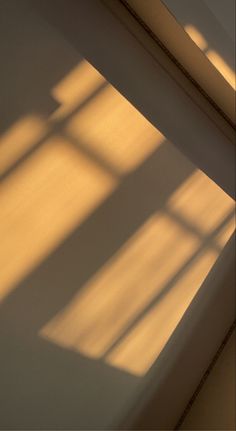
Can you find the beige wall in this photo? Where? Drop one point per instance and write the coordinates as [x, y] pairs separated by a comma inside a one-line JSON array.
[[107, 232], [214, 407]]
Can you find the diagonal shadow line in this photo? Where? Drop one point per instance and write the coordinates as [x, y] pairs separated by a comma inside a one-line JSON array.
[[212, 30], [92, 154], [56, 128], [190, 227], [56, 280], [204, 246]]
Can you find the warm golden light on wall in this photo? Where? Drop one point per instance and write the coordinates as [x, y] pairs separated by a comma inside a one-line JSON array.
[[208, 206], [70, 163], [120, 291], [20, 138], [129, 140], [222, 67], [140, 347], [126, 313], [214, 57], [48, 196], [196, 36], [76, 87]]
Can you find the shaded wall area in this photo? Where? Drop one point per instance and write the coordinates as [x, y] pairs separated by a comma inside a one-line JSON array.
[[214, 407], [211, 25], [107, 233]]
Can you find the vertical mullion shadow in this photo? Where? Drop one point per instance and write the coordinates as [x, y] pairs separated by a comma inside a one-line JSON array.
[[52, 284], [53, 129], [205, 245]]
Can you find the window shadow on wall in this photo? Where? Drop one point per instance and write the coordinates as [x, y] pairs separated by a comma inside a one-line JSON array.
[[107, 235]]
